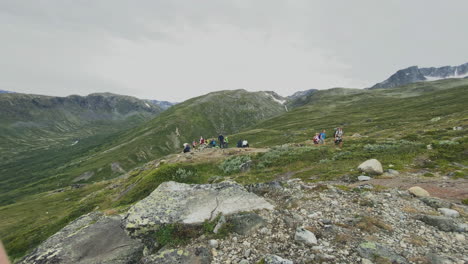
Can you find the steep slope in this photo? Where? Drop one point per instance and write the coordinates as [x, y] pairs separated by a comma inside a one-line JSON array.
[[416, 74], [224, 112]]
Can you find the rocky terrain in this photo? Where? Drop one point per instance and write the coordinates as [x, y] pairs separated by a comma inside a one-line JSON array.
[[287, 221]]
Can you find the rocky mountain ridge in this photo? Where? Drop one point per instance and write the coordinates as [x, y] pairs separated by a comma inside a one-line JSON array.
[[415, 74]]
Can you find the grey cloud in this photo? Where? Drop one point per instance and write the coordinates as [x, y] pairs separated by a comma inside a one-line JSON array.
[[68, 46]]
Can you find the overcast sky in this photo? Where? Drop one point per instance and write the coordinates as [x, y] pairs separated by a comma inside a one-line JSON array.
[[175, 49]]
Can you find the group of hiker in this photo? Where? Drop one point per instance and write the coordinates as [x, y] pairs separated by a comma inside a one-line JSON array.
[[319, 138], [222, 142]]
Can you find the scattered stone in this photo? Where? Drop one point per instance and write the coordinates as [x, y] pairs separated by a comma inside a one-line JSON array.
[[364, 178], [449, 212], [244, 261], [372, 166], [442, 223], [273, 259], [174, 202], [169, 256], [81, 242], [435, 202], [264, 187], [435, 119], [393, 172], [366, 261], [213, 243], [458, 128], [460, 237], [418, 191], [429, 147], [305, 236]]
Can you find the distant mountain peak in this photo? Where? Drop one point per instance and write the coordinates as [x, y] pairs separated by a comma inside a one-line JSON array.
[[4, 91], [415, 74], [163, 104]]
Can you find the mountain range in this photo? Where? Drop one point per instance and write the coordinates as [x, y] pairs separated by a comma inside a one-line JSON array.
[[415, 74]]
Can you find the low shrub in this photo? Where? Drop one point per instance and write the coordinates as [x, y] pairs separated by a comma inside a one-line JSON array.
[[232, 164]]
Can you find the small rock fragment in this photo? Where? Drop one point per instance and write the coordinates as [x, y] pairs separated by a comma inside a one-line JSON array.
[[418, 191]]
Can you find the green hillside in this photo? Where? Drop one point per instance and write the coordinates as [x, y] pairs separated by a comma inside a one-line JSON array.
[[373, 113], [106, 157], [35, 122], [393, 125], [39, 134]]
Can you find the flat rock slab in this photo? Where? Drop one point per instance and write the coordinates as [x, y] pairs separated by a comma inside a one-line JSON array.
[[443, 223], [90, 239], [369, 250], [174, 202]]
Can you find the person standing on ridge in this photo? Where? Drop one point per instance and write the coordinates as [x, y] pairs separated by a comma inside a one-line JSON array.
[[226, 142], [339, 137], [221, 141], [239, 143], [322, 137]]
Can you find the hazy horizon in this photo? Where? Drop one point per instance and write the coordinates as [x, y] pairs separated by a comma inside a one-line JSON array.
[[176, 50]]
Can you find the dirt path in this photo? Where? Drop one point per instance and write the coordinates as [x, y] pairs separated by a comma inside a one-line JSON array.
[[210, 154], [449, 189]]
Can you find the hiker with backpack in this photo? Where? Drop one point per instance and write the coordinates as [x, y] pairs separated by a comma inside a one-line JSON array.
[[339, 137], [186, 147], [239, 143], [221, 141], [245, 144], [322, 137], [226, 142]]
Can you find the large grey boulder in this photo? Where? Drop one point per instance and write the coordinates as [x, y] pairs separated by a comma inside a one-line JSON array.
[[91, 239], [372, 166], [303, 235], [435, 202], [418, 191], [174, 202]]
